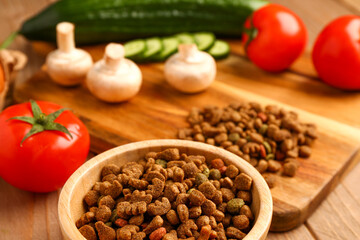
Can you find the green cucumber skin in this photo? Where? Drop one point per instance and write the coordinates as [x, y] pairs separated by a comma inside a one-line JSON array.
[[100, 21]]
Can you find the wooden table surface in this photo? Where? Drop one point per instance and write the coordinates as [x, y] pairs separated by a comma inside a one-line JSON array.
[[26, 215]]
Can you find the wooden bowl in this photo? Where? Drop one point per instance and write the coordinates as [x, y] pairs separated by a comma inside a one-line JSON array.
[[71, 205]]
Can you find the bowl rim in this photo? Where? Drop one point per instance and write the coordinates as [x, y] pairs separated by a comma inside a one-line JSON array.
[[258, 231]]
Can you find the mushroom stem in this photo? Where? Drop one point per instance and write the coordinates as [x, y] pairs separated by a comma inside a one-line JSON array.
[[65, 37], [188, 52], [114, 53]]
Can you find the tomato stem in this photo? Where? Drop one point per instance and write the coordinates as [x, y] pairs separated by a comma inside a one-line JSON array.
[[41, 122], [252, 32]]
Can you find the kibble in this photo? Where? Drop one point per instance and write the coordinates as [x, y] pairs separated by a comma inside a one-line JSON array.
[[253, 132], [168, 195]]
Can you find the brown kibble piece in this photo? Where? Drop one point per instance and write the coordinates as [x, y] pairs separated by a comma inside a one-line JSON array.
[[208, 207], [110, 169], [138, 196], [290, 169], [103, 214], [241, 222], [154, 224], [172, 235], [195, 212], [91, 198], [169, 154], [218, 215], [127, 232], [212, 222], [154, 191], [305, 151], [255, 137], [243, 182], [88, 232], [159, 207], [227, 220], [245, 195], [133, 169], [113, 189], [86, 218], [196, 198], [245, 210], [217, 198], [227, 194], [185, 229], [262, 166], [234, 233], [232, 171], [202, 221], [190, 169], [208, 189], [226, 182], [220, 232], [107, 201], [105, 232], [183, 212], [137, 220], [172, 217], [178, 174], [273, 166]]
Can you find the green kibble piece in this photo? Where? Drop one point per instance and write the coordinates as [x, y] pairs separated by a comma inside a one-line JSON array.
[[161, 162], [267, 147], [234, 137], [114, 216], [215, 174], [200, 178], [206, 172], [263, 129], [234, 206], [270, 156], [109, 224]]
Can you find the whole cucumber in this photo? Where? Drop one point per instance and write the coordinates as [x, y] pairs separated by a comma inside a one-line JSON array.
[[120, 20]]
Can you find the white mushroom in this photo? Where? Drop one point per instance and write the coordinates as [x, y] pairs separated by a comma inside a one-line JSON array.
[[190, 70], [67, 65], [114, 78]]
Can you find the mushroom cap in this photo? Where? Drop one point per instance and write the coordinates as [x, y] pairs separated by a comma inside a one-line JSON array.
[[68, 69], [190, 77], [112, 85]]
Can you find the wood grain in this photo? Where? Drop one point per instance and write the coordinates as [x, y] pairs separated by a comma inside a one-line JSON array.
[[158, 111], [299, 233], [71, 198]]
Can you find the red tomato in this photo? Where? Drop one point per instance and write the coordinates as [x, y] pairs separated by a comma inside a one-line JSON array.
[[336, 53], [45, 160], [274, 37]]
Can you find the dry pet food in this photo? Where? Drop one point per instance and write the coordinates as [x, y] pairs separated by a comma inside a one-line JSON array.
[[171, 196], [270, 138]]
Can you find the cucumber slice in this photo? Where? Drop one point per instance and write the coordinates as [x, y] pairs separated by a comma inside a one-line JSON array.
[[134, 48], [219, 50], [204, 40], [153, 47], [185, 38], [170, 46]]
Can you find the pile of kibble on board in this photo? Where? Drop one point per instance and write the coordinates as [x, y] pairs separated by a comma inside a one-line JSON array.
[[169, 196], [270, 138]]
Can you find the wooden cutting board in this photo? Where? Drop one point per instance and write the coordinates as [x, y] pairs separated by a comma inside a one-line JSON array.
[[158, 111]]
